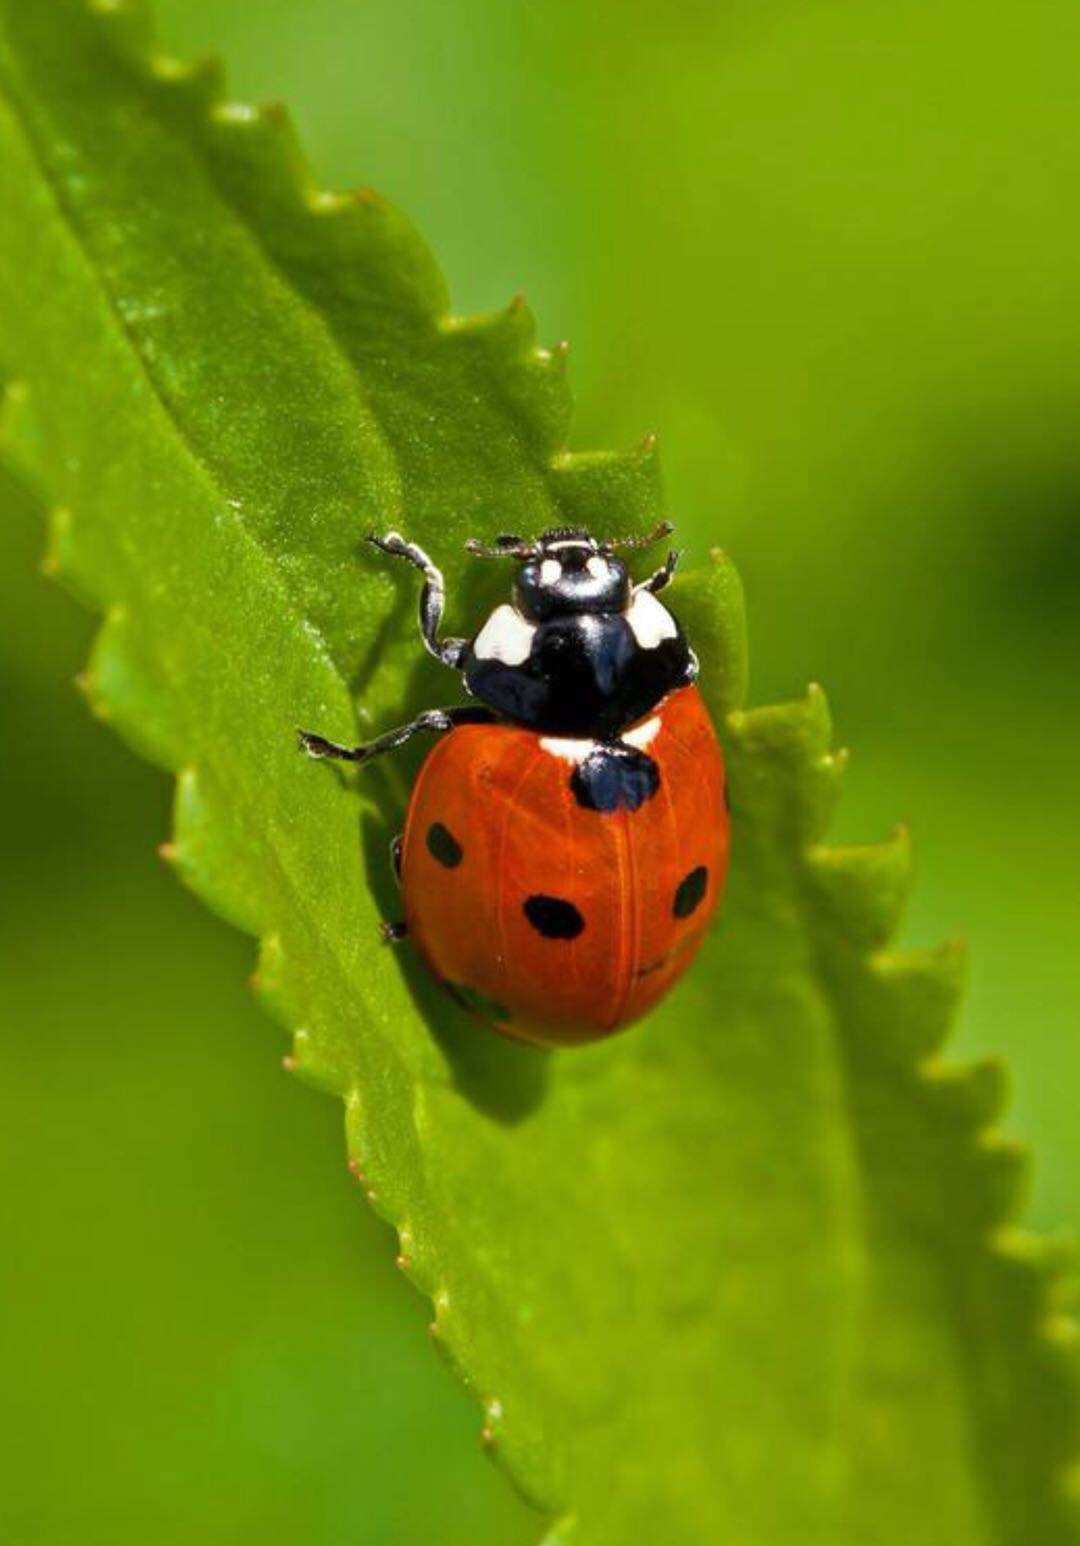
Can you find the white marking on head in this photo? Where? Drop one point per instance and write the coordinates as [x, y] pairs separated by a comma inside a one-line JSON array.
[[550, 571], [569, 750], [597, 567], [650, 621], [506, 636], [642, 734]]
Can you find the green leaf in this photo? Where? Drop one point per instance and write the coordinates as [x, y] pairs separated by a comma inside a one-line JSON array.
[[741, 1274]]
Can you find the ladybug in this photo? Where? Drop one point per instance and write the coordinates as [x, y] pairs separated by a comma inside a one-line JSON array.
[[566, 840]]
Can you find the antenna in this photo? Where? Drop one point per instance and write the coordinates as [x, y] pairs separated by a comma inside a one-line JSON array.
[[504, 546], [662, 529]]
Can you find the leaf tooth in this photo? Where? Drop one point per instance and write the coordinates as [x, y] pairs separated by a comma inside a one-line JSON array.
[[64, 558], [782, 765], [127, 25], [709, 602], [589, 485], [416, 1259], [262, 145], [557, 357], [208, 856], [373, 1168], [308, 1063], [356, 1144], [800, 728], [973, 1095], [1053, 1257], [22, 446], [201, 81], [914, 998], [1003, 1169], [511, 330], [403, 1260], [863, 887], [532, 380], [57, 557], [270, 983], [123, 687], [493, 1421], [273, 984], [440, 1307]]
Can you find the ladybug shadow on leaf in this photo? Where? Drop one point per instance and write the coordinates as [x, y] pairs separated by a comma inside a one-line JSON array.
[[506, 1080]]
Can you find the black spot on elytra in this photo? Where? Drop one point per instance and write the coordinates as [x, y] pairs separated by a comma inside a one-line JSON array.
[[443, 846], [689, 892], [476, 1002], [615, 777], [554, 918]]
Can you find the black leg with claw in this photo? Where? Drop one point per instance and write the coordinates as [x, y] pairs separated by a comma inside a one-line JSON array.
[[432, 597], [436, 721], [662, 576]]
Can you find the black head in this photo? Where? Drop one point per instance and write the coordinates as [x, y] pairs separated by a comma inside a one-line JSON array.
[[566, 571], [569, 572]]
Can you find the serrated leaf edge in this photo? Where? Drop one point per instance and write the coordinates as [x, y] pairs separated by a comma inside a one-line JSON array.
[[1045, 1339], [800, 729]]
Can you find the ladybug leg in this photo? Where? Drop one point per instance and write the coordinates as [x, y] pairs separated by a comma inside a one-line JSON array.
[[661, 577], [393, 933], [436, 720], [432, 597], [395, 856]]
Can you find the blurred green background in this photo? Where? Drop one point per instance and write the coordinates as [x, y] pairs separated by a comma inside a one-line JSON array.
[[832, 254]]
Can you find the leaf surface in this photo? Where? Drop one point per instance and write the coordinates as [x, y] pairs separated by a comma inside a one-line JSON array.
[[740, 1274]]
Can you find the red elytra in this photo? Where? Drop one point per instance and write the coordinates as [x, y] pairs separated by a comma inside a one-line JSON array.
[[554, 922]]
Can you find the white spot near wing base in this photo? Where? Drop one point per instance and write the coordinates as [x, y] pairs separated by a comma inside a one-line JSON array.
[[650, 621], [642, 734], [569, 749], [506, 636], [572, 750]]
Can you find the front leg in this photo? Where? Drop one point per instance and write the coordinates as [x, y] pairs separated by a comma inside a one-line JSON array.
[[436, 720], [658, 580], [432, 597]]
